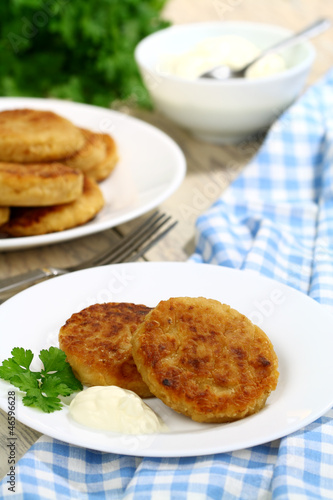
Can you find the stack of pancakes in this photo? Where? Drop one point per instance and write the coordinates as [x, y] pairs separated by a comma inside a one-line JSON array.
[[200, 357], [49, 172]]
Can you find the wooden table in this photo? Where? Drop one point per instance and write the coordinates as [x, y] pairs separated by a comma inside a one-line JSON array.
[[210, 168]]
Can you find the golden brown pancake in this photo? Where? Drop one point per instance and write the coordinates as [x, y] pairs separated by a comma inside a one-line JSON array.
[[28, 135], [31, 221], [97, 343], [205, 359], [4, 214], [91, 154], [39, 184], [102, 170]]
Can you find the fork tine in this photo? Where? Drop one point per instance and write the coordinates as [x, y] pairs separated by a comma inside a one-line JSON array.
[[117, 250], [151, 243], [129, 256], [134, 244]]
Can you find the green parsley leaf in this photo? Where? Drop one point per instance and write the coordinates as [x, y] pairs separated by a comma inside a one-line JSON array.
[[46, 403], [23, 357], [53, 359], [68, 378], [54, 386], [19, 363], [25, 381], [42, 388]]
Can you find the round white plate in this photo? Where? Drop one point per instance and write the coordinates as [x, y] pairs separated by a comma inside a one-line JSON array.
[[300, 329], [150, 169]]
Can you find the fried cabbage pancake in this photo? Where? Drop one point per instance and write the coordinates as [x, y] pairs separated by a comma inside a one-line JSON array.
[[91, 154], [39, 184], [103, 169], [28, 135], [31, 221], [4, 214], [97, 343], [205, 359]]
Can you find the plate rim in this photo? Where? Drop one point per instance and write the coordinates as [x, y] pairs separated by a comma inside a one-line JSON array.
[[20, 243]]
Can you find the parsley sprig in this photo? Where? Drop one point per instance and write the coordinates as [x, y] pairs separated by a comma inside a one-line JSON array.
[[42, 388]]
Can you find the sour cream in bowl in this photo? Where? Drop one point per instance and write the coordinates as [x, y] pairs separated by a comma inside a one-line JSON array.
[[222, 111], [233, 51]]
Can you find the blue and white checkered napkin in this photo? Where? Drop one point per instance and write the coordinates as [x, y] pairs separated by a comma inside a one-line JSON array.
[[277, 219]]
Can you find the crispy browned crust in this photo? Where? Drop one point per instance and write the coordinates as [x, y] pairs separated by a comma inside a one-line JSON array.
[[91, 154], [97, 343], [205, 359], [39, 184], [31, 221], [28, 135], [103, 169], [4, 215]]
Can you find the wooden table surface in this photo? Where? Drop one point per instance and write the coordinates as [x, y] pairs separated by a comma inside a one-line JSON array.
[[210, 168]]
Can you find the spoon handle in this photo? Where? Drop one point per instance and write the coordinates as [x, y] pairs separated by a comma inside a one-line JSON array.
[[308, 32]]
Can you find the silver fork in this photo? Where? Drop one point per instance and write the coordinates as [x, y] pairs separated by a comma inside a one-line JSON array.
[[129, 249]]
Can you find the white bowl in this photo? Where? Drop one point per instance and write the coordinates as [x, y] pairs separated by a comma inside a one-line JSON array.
[[222, 111]]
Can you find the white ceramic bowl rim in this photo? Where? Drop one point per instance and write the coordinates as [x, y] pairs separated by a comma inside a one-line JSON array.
[[236, 82]]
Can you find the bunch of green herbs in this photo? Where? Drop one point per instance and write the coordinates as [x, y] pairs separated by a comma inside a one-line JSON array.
[[80, 50]]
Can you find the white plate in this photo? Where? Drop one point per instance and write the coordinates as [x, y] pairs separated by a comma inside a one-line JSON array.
[[150, 169], [300, 329]]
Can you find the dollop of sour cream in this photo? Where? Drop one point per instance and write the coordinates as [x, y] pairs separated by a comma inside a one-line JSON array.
[[229, 50], [111, 408]]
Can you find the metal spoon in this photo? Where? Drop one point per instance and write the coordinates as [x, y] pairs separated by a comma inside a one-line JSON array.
[[224, 72]]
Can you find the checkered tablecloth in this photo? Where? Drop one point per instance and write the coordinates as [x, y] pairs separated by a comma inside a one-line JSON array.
[[276, 219]]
